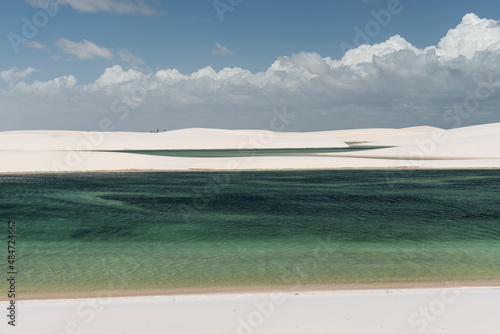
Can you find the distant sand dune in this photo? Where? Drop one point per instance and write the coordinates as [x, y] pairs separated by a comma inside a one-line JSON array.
[[170, 140], [374, 135], [474, 142], [417, 147], [465, 132]]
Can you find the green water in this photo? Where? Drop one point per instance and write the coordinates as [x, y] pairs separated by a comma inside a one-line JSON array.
[[249, 153], [93, 231]]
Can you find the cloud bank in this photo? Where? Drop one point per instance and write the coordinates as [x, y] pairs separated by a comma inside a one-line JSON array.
[[391, 84]]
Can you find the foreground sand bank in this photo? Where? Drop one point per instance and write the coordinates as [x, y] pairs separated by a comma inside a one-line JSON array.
[[439, 310]]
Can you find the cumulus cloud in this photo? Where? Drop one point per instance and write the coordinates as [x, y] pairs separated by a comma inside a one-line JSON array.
[[115, 75], [84, 49], [391, 84], [365, 53], [222, 50], [15, 74], [311, 61], [471, 36], [49, 88], [113, 6]]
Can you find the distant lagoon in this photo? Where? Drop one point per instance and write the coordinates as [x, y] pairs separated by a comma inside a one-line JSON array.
[[228, 153]]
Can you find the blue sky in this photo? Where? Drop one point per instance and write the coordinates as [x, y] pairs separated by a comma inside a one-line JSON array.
[[151, 35], [181, 34]]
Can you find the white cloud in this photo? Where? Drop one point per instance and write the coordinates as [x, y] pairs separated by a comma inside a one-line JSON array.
[[222, 50], [388, 84], [206, 72], [113, 6], [49, 88], [15, 74], [84, 49], [130, 58], [169, 76], [308, 60], [364, 53], [471, 36], [35, 45], [115, 75]]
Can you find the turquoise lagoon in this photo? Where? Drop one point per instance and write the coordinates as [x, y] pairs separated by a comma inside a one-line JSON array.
[[162, 230]]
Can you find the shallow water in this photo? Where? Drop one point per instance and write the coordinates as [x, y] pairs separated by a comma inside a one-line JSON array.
[[78, 232]]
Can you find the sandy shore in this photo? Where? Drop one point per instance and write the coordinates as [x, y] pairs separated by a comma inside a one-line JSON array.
[[252, 289], [402, 311]]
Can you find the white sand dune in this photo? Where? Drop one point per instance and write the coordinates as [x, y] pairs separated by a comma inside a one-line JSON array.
[[363, 136], [170, 140], [422, 129], [479, 147], [67, 161], [465, 132], [195, 138], [474, 142], [432, 311], [71, 151]]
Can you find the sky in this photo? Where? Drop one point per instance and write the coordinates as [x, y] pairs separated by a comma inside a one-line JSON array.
[[138, 65]]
